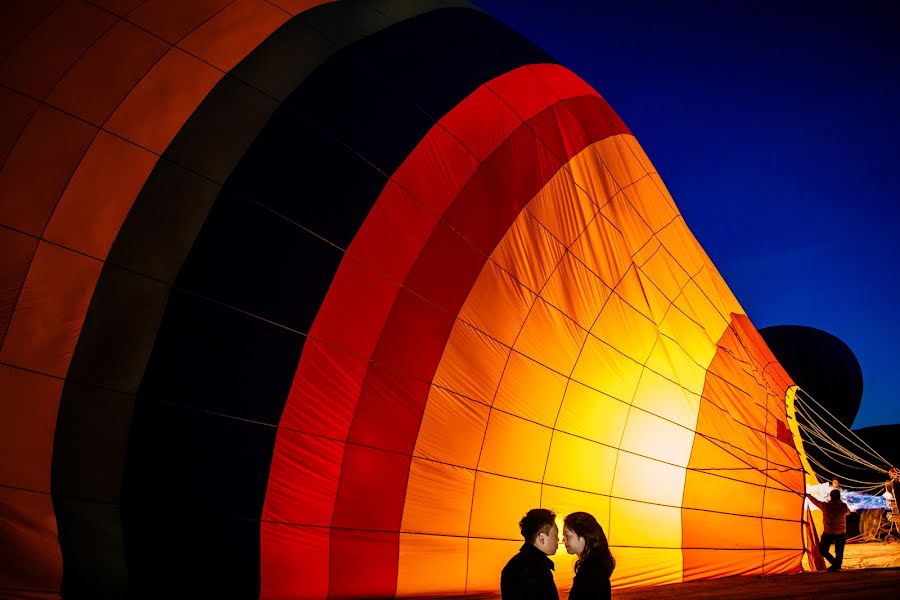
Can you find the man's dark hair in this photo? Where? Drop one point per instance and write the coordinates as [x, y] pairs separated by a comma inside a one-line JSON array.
[[835, 495], [535, 521]]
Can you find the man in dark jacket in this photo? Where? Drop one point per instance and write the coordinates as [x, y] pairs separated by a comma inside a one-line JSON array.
[[529, 574], [834, 519]]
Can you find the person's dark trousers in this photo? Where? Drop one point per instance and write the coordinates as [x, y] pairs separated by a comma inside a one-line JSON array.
[[838, 539]]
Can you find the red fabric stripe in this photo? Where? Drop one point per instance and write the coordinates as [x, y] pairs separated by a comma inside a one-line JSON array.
[[402, 240]]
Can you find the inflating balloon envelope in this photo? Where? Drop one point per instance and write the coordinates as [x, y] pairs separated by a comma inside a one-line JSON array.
[[317, 299]]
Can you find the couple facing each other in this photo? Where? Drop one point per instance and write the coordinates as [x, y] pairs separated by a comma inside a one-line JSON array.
[[529, 574]]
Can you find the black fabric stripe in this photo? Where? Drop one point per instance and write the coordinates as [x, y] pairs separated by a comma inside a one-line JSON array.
[[254, 277]]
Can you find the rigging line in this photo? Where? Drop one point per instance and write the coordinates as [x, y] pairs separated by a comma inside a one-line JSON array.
[[816, 430], [860, 440], [840, 449], [835, 456], [838, 475]]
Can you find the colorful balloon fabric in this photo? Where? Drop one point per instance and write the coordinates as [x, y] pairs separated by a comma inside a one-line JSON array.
[[315, 299]]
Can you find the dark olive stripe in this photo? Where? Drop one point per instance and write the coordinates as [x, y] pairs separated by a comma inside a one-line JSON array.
[[304, 129]]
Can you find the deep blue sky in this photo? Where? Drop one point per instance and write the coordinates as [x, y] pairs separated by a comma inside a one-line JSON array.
[[776, 127]]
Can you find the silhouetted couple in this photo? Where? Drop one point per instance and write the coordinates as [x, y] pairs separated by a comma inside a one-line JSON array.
[[529, 574]]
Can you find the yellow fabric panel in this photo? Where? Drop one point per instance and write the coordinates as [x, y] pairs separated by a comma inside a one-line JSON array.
[[472, 363], [576, 291], [707, 564], [580, 464], [497, 304], [603, 249], [678, 241], [653, 437], [693, 302], [620, 160], [499, 503], [646, 251], [452, 429], [439, 498], [487, 558], [606, 369], [652, 202], [591, 175], [628, 330], [647, 480], [646, 566], [791, 415], [650, 296], [783, 534], [545, 323], [782, 504], [659, 396], [528, 252], [716, 530], [564, 501], [665, 272], [563, 208], [704, 281], [690, 336], [722, 491], [515, 447], [431, 565], [530, 390], [672, 362], [593, 415], [622, 214]]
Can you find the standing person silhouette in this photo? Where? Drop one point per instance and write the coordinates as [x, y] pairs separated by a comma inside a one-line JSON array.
[[834, 518], [584, 537], [529, 574]]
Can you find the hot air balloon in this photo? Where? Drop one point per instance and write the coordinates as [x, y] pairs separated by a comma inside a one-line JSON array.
[[306, 299]]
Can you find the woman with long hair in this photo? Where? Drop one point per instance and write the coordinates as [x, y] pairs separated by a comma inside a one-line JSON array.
[[585, 537]]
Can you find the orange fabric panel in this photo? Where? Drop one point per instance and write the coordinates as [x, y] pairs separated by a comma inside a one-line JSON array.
[[31, 555], [665, 272], [606, 369], [99, 196], [528, 252], [782, 561], [17, 110], [50, 312], [431, 565], [472, 363], [593, 415], [783, 535], [646, 566], [439, 499], [580, 464], [651, 201], [36, 173], [724, 491], [709, 563], [644, 480], [676, 238], [174, 19], [26, 442], [592, 177], [45, 54], [504, 451], [635, 333], [497, 304], [622, 214], [487, 558], [576, 292], [562, 208], [159, 105], [18, 249], [694, 301], [717, 530], [452, 429], [107, 72], [226, 38], [497, 505], [544, 323], [282, 575], [530, 390], [602, 248]]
